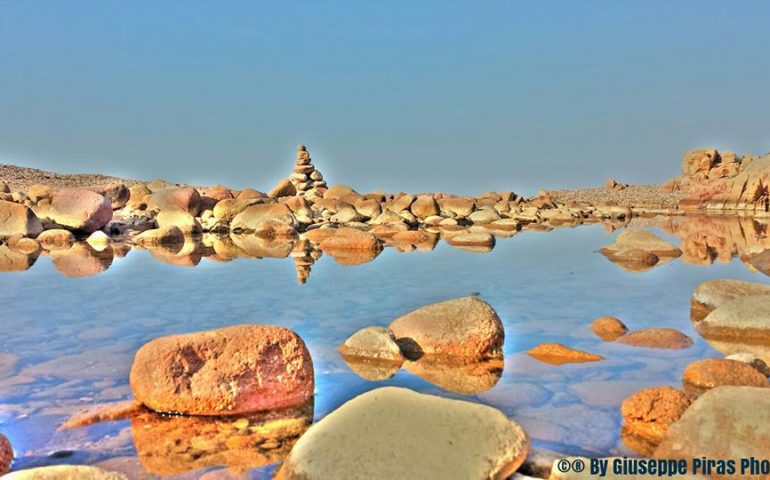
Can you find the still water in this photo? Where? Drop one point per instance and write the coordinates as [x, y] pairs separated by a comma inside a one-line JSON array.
[[74, 338]]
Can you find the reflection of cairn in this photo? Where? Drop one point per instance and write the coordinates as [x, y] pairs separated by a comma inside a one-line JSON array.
[[305, 254], [304, 175]]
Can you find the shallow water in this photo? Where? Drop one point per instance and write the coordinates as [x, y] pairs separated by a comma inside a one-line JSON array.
[[75, 337]]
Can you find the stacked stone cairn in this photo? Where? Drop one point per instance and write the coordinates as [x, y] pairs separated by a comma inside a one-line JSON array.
[[304, 175]]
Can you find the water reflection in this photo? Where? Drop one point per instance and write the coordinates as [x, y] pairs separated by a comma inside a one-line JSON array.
[[703, 240]]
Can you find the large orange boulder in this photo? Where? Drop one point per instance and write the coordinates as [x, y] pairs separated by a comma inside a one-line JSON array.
[[649, 412], [229, 371], [17, 219], [186, 198], [256, 217], [80, 209]]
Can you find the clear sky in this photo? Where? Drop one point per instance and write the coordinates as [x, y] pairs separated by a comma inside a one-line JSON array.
[[396, 95]]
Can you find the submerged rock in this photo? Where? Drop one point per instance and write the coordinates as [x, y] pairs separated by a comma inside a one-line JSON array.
[[65, 472], [456, 375], [80, 209], [666, 338], [608, 328], [372, 342], [464, 327], [558, 354], [229, 371], [648, 413], [703, 375], [714, 293], [17, 219], [397, 433], [724, 423]]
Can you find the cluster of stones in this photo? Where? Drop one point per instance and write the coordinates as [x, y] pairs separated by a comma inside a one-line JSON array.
[[304, 176]]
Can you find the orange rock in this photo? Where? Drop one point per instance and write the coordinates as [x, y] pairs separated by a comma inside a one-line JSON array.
[[350, 239], [229, 371], [6, 455], [703, 375], [667, 338], [81, 260], [186, 198], [80, 209], [108, 412], [649, 412], [284, 189], [608, 328], [558, 354], [18, 219]]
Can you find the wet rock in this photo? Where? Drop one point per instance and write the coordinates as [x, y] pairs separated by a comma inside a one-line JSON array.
[[649, 412], [82, 260], [478, 239], [456, 375], [255, 217], [169, 235], [65, 472], [372, 342], [666, 338], [178, 218], [186, 254], [16, 219], [6, 454], [703, 375], [56, 239], [608, 328], [465, 327], [750, 359], [173, 445], [724, 423], [639, 250], [80, 209], [714, 293], [14, 260], [746, 319], [229, 371], [420, 239], [350, 239], [431, 437], [186, 198], [558, 354]]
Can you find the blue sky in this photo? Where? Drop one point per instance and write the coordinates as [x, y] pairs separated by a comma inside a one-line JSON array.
[[414, 96]]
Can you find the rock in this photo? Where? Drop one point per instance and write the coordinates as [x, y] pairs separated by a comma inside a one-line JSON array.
[[746, 318], [39, 191], [98, 240], [249, 194], [457, 375], [338, 192], [256, 217], [229, 371], [482, 217], [169, 235], [713, 293], [463, 327], [479, 239], [702, 375], [138, 197], [6, 454], [632, 260], [666, 338], [116, 193], [82, 260], [649, 412], [285, 188], [750, 359], [723, 423], [65, 472], [16, 219], [397, 433], [368, 208], [56, 239], [425, 206], [15, 261], [699, 161], [747, 190], [456, 207], [372, 369], [186, 198], [372, 342], [350, 239], [642, 240], [420, 239], [179, 218], [608, 328], [558, 354], [80, 209], [401, 203], [22, 244], [4, 187]]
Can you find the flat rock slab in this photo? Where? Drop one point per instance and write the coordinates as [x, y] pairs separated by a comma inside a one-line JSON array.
[[393, 432], [558, 354], [665, 338], [714, 293]]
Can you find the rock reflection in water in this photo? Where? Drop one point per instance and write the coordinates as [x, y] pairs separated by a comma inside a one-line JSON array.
[[172, 445], [82, 260], [456, 376], [372, 369], [14, 260]]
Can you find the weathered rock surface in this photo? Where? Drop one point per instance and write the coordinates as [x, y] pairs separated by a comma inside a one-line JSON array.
[[179, 218], [666, 338], [649, 412], [724, 423], [465, 327], [558, 354], [285, 188], [630, 240], [746, 318], [705, 374], [65, 472], [17, 219], [186, 198], [229, 371], [431, 437], [372, 342], [257, 217], [750, 359], [713, 293], [80, 209], [608, 328], [168, 235], [748, 190], [6, 454]]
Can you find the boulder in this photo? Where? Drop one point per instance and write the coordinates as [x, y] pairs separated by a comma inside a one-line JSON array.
[[472, 239], [38, 192], [745, 319], [65, 472], [705, 374], [23, 244], [397, 433], [713, 293], [746, 191], [456, 207], [401, 203], [699, 161], [186, 198], [372, 342], [558, 354], [255, 217], [229, 371], [649, 413], [368, 208], [339, 192], [80, 209], [116, 193], [642, 240], [350, 239], [285, 188], [138, 197], [179, 218], [632, 260], [666, 338], [482, 217], [6, 454], [425, 206], [169, 235], [463, 327], [56, 239], [750, 359], [726, 423], [608, 328], [18, 219], [15, 261], [98, 240]]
